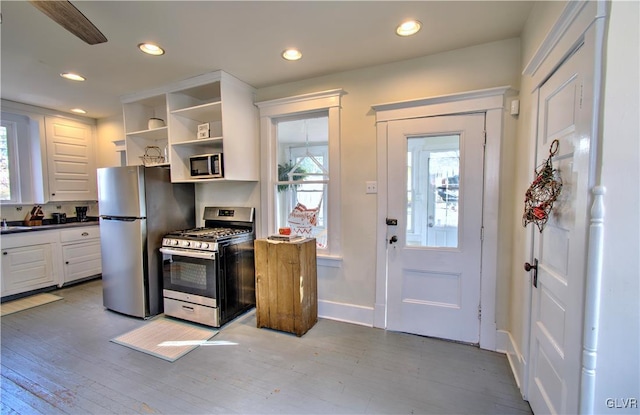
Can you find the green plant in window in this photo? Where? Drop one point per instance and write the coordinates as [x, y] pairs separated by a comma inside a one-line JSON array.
[[283, 175]]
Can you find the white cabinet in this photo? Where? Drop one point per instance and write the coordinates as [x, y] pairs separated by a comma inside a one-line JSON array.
[[71, 160], [138, 136], [29, 261], [46, 258], [217, 99], [80, 253]]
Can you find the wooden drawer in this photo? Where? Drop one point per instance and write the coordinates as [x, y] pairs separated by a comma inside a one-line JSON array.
[[79, 234]]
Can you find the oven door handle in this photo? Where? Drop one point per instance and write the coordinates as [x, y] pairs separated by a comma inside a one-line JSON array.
[[189, 254]]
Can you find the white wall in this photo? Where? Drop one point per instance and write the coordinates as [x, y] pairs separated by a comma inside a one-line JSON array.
[[619, 337], [109, 130], [484, 66]]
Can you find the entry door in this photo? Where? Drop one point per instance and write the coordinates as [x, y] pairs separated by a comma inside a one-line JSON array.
[[560, 249], [435, 184]]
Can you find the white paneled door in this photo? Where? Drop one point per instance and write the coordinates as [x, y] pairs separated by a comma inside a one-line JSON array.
[[560, 249], [435, 187]]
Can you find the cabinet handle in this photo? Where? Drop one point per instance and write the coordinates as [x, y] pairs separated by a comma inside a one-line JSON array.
[[85, 233], [67, 262], [53, 194], [4, 253]]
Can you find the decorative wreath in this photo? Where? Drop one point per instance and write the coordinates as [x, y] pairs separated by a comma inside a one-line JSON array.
[[544, 190]]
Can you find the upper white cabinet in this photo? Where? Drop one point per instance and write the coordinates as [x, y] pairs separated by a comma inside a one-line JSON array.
[[71, 160], [217, 99], [139, 135]]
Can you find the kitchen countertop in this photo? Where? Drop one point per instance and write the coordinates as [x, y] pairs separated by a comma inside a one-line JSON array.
[[18, 227]]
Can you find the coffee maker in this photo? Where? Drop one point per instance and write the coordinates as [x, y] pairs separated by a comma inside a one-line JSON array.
[[81, 213]]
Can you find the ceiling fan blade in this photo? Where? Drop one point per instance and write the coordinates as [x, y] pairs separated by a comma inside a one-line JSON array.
[[66, 15]]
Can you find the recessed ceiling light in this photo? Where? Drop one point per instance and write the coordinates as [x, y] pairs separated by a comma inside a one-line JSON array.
[[151, 49], [291, 54], [408, 28], [79, 111], [72, 76]]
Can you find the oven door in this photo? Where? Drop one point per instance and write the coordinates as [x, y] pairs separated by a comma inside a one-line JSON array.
[[190, 272]]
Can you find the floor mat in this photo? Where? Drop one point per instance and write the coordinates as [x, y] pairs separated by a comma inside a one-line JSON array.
[[166, 338], [26, 303]]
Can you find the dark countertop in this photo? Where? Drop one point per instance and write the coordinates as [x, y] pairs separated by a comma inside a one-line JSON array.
[[47, 224]]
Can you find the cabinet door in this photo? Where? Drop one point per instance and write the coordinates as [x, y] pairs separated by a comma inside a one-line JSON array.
[[81, 260], [71, 160], [26, 268]]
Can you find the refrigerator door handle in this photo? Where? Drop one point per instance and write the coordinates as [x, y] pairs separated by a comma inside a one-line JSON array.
[[124, 219]]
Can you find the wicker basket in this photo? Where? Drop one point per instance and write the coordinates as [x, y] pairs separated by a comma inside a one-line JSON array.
[[152, 156]]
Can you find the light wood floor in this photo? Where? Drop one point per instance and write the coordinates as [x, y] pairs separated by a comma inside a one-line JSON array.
[[57, 358]]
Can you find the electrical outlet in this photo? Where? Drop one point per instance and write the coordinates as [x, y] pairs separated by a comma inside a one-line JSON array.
[[372, 187]]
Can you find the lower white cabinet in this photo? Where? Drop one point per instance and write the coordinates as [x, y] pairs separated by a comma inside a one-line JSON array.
[[48, 258], [29, 261], [80, 253]]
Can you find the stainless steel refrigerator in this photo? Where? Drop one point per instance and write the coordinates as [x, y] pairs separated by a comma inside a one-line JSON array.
[[138, 206]]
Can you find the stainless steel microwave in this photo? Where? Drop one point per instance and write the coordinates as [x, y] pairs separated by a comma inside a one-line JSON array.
[[206, 166]]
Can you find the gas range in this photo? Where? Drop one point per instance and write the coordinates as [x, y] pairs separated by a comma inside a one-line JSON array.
[[204, 239], [209, 272], [222, 225]]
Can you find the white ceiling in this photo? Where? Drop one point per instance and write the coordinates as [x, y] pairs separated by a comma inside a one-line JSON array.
[[244, 38]]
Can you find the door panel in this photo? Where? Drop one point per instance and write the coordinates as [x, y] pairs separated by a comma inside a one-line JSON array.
[[557, 301], [435, 177]]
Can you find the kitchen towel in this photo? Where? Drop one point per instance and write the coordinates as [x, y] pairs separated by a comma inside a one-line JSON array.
[[26, 303], [165, 338]]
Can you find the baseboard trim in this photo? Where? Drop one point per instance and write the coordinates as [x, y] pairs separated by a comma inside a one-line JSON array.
[[506, 344], [348, 313]]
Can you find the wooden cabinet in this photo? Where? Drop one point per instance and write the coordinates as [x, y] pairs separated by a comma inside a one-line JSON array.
[[286, 285], [28, 262], [80, 253], [217, 99], [71, 160]]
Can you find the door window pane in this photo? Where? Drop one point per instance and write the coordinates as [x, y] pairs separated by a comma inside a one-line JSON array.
[[433, 180]]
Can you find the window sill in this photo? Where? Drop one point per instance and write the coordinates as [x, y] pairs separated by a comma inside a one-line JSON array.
[[331, 261]]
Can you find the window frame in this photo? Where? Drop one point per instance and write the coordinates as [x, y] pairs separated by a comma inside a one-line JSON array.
[[277, 109], [14, 160]]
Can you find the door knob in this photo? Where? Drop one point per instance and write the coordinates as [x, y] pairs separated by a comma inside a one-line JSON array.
[[393, 239], [528, 267]]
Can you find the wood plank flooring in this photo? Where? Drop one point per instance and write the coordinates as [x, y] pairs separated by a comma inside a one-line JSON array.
[[57, 358]]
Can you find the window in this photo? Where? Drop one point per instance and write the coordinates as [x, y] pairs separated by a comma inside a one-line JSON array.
[[303, 175], [432, 191], [9, 169], [301, 168]]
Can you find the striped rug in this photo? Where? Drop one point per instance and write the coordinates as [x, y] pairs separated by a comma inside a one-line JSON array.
[[165, 338], [26, 303]]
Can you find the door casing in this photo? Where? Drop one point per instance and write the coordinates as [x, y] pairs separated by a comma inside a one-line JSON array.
[[499, 124]]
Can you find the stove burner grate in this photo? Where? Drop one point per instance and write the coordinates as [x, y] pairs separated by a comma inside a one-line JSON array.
[[210, 233]]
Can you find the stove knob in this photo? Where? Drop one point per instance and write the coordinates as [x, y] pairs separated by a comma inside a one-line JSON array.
[[174, 242], [196, 245], [204, 245], [185, 243]]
